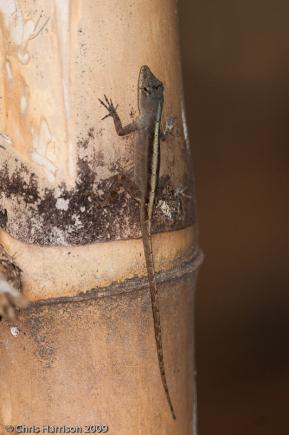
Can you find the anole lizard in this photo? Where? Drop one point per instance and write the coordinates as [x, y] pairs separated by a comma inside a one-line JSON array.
[[146, 172]]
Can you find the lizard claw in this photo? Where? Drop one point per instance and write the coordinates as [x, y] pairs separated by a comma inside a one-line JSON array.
[[106, 116], [110, 107], [101, 102]]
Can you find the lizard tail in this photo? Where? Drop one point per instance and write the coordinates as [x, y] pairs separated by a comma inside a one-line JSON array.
[[147, 243]]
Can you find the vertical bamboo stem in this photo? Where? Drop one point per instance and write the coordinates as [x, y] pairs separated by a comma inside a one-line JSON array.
[[84, 352]]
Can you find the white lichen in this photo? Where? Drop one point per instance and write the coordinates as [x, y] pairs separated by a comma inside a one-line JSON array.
[[77, 220], [14, 331], [62, 204], [165, 208]]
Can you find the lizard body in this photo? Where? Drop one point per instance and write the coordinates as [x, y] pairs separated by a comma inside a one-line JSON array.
[[146, 173]]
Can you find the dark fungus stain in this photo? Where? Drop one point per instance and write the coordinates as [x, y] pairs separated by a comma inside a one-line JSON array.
[[96, 210], [38, 328], [3, 217]]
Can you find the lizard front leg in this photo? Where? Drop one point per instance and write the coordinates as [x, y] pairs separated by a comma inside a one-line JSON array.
[[122, 179], [112, 111], [128, 184]]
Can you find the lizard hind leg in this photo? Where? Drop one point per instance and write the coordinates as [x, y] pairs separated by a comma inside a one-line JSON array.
[[129, 185]]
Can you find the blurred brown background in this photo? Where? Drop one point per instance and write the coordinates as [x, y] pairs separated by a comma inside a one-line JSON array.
[[236, 74]]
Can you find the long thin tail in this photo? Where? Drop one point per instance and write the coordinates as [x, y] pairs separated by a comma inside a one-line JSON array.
[[147, 243]]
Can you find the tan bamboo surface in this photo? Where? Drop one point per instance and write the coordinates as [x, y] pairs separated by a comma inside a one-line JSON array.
[[83, 352]]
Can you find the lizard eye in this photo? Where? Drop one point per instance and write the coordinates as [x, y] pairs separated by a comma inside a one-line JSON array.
[[147, 92]]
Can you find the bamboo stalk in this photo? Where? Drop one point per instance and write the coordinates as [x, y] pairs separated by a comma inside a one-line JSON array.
[[83, 352]]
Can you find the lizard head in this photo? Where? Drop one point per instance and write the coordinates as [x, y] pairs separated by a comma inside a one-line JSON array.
[[151, 89]]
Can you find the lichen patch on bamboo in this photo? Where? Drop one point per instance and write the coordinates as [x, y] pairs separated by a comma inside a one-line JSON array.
[[95, 210]]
